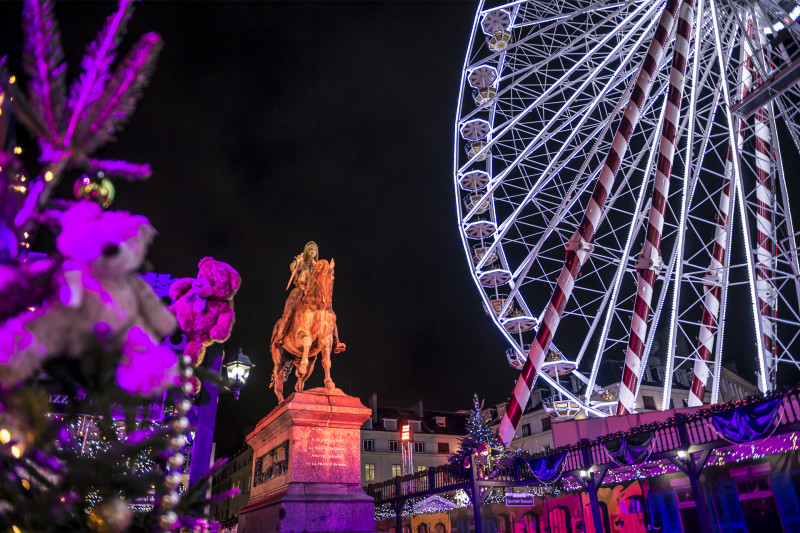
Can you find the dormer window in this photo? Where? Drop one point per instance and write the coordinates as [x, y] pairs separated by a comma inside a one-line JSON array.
[[390, 424], [440, 421], [416, 425]]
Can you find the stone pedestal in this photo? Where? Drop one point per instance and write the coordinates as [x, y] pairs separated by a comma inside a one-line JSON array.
[[307, 467]]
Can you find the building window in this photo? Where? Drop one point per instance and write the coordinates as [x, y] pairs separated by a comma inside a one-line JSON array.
[[526, 430], [416, 425], [421, 468], [369, 472], [394, 446], [390, 424], [546, 424], [649, 402], [444, 448], [419, 447], [397, 471], [440, 421], [546, 448], [369, 445]]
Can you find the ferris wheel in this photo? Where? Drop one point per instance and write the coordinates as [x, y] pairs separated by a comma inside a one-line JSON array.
[[624, 174]]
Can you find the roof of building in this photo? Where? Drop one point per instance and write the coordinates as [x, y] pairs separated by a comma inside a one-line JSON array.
[[431, 421]]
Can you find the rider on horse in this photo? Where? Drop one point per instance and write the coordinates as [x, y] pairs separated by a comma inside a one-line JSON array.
[[301, 267]]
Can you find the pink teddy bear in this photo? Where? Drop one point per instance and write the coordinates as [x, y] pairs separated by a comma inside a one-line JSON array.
[[204, 305]]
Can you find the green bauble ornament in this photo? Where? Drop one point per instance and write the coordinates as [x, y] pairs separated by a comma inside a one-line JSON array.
[[100, 189]]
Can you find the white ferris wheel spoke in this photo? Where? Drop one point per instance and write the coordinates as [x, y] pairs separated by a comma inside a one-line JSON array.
[[559, 86], [549, 171], [561, 80]]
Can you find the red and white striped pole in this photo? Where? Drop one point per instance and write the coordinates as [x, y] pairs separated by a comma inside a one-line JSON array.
[[765, 260], [650, 258], [713, 289], [765, 207], [579, 247]]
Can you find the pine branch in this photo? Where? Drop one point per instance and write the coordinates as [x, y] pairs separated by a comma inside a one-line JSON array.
[[43, 61], [117, 169], [96, 66], [22, 108], [122, 93], [4, 108]]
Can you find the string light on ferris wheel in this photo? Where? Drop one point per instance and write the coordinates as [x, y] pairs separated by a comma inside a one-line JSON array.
[[542, 122]]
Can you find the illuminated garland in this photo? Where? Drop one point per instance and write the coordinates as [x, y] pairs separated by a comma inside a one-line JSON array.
[[747, 452], [88, 441]]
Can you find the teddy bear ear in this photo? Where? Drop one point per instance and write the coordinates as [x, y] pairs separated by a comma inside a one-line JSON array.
[[236, 280], [203, 261], [147, 231]]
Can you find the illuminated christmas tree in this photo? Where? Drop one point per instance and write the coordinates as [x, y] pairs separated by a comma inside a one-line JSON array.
[[479, 433]]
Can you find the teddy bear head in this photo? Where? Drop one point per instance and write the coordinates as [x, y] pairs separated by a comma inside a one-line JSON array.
[[216, 279], [112, 242]]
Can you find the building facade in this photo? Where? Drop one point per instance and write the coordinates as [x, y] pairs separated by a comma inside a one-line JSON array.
[[436, 435], [237, 474]]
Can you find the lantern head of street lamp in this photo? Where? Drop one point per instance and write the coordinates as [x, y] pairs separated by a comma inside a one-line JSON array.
[[238, 370]]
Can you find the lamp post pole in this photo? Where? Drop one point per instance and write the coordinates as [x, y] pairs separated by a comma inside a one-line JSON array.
[[692, 467], [203, 417], [591, 483], [204, 413], [477, 497]]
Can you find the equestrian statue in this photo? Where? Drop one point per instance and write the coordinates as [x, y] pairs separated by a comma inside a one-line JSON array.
[[308, 325]]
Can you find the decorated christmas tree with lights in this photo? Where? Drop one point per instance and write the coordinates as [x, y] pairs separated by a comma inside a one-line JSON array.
[[480, 436], [92, 404]]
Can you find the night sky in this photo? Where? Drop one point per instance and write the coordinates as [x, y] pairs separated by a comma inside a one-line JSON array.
[[269, 124]]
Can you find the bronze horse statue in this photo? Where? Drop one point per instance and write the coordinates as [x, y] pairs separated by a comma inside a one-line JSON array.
[[312, 332]]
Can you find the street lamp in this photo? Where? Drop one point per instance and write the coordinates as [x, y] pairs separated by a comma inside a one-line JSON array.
[[205, 414], [238, 370]]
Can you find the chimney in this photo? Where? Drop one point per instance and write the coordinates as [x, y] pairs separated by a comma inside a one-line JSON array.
[[501, 409], [417, 408], [373, 404]]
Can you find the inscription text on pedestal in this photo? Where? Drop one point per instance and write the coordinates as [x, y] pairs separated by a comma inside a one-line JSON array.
[[327, 452]]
